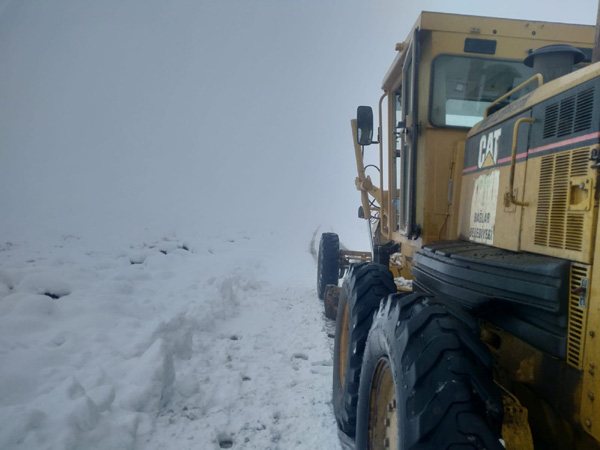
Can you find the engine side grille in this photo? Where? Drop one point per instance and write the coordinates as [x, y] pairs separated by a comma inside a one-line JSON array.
[[550, 121], [556, 226], [580, 278], [565, 119], [571, 115], [542, 220], [574, 234], [580, 162], [585, 106]]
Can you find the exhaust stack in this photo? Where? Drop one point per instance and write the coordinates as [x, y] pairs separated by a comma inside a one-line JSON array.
[[554, 61]]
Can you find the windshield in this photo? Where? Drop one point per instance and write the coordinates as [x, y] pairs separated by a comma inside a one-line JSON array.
[[463, 86]]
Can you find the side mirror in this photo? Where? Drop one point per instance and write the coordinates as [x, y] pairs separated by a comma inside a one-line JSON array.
[[364, 123]]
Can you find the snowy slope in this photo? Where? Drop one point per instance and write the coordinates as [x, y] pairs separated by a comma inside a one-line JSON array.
[[208, 342]]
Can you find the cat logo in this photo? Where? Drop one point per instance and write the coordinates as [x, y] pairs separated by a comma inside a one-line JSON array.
[[488, 149]]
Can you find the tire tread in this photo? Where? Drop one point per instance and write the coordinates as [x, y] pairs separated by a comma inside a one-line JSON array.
[[365, 285], [328, 264], [449, 399]]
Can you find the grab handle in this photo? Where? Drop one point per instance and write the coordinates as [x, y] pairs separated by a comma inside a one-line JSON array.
[[509, 197]]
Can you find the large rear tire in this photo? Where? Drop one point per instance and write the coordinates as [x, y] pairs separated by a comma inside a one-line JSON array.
[[328, 262], [364, 287], [426, 380]]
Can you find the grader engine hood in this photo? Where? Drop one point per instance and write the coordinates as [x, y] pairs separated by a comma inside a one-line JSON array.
[[486, 174], [528, 180]]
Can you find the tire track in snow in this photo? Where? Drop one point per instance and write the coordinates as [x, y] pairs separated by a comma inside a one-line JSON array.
[[265, 379]]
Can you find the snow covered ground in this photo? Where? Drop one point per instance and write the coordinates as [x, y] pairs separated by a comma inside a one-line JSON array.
[[180, 342]]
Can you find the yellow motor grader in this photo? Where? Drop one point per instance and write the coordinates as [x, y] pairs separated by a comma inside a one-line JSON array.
[[489, 153]]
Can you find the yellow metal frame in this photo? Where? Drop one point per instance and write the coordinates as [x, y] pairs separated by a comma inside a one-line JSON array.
[[363, 183], [441, 188]]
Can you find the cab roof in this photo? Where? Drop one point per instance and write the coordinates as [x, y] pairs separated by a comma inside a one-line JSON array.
[[490, 27]]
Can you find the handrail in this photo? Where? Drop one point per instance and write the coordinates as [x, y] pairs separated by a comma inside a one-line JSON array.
[[537, 77], [509, 197], [380, 133]]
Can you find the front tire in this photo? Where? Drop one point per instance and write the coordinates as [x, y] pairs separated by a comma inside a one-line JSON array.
[[364, 287], [426, 380], [328, 262]]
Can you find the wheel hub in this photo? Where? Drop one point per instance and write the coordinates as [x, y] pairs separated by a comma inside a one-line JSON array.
[[383, 418]]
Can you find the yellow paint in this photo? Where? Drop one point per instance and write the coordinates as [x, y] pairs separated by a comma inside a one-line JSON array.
[[515, 428], [443, 195], [437, 147], [590, 395]]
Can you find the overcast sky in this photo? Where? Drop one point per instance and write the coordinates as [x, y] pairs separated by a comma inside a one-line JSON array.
[[188, 115]]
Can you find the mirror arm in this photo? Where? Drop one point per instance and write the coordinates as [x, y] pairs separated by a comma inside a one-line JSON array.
[[363, 183], [360, 166]]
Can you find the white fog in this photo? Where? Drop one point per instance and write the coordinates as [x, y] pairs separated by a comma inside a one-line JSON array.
[[163, 167]]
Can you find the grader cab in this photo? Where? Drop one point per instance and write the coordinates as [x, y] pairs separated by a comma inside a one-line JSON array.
[[487, 199]]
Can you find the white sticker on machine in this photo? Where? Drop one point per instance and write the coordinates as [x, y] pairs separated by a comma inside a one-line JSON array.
[[483, 208]]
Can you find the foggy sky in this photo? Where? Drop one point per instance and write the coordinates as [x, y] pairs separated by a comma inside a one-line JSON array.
[[191, 115]]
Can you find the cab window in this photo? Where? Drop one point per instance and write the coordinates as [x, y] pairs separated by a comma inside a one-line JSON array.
[[463, 86]]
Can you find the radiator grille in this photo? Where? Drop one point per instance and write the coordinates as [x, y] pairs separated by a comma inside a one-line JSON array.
[[574, 234], [550, 121], [577, 314], [542, 220], [580, 161], [571, 115], [585, 106], [565, 119], [555, 226]]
